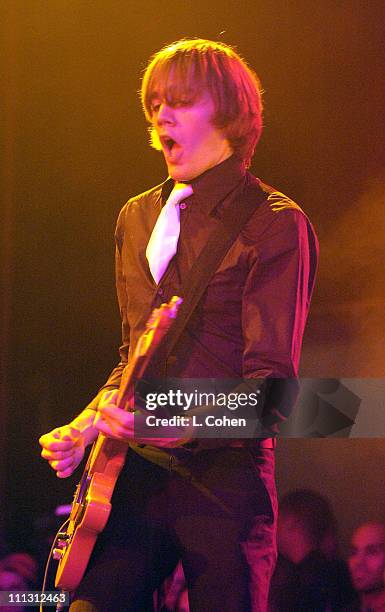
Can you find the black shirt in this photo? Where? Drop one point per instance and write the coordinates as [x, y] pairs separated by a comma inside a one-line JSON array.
[[251, 318]]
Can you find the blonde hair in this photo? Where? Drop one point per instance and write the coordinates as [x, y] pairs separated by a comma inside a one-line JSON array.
[[182, 70]]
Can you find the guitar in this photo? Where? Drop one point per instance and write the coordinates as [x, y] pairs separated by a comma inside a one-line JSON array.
[[91, 506]]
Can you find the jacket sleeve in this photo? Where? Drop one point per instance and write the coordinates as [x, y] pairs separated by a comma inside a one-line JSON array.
[[276, 302], [275, 305]]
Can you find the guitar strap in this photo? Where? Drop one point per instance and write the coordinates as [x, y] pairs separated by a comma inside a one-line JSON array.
[[233, 219]]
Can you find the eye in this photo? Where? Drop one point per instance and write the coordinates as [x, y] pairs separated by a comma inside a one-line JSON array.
[[181, 103], [155, 102]]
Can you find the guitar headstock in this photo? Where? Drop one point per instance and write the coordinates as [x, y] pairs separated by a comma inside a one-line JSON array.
[[157, 326]]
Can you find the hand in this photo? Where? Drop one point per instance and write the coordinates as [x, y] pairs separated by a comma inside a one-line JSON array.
[[122, 425], [63, 448]]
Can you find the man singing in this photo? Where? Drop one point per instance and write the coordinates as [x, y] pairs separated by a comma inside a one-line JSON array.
[[212, 506]]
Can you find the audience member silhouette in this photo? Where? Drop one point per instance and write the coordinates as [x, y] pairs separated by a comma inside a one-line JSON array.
[[309, 575], [367, 566]]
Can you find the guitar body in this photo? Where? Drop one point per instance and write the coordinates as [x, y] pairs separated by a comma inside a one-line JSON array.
[[90, 510], [92, 500]]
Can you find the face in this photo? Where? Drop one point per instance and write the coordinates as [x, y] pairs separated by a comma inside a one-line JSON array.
[[367, 558], [190, 143], [292, 539]]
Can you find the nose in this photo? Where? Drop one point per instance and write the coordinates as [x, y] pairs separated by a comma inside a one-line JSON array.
[[165, 114]]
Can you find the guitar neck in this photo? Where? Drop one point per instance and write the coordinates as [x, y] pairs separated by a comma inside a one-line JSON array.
[[157, 327]]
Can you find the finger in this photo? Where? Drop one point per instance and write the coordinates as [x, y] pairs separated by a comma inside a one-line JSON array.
[[60, 445], [103, 426], [110, 430], [61, 434], [59, 466], [109, 397], [46, 439], [65, 473], [72, 434], [120, 422], [112, 412], [56, 455]]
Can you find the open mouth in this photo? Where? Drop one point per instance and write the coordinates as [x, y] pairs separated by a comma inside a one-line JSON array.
[[169, 144]]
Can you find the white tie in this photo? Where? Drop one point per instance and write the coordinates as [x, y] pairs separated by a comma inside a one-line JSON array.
[[164, 238]]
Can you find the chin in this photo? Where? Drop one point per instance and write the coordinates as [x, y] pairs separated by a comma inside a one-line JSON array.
[[184, 171], [175, 174], [178, 174]]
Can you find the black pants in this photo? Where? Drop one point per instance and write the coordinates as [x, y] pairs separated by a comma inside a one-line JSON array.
[[215, 511]]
